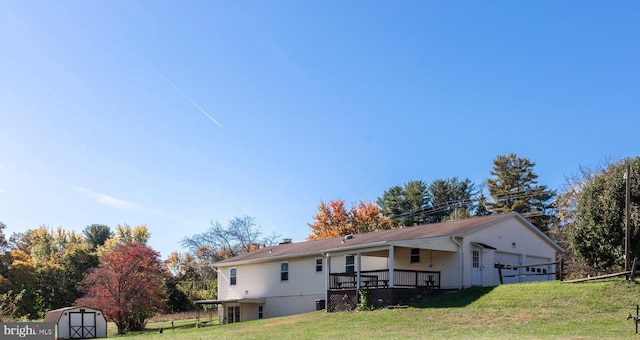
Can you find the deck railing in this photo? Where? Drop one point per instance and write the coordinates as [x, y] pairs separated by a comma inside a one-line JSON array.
[[380, 279]]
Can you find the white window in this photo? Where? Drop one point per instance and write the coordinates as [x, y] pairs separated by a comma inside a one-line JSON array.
[[350, 264], [318, 265], [475, 255], [232, 276], [284, 271]]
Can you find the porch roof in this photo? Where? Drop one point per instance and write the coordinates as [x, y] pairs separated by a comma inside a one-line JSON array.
[[435, 235], [219, 302]]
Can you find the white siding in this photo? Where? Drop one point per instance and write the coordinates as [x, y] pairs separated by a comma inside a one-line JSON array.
[[338, 263], [514, 242], [63, 331], [290, 305], [262, 280], [431, 260]]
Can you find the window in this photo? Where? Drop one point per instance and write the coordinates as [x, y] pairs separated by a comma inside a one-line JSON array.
[[233, 314], [318, 265], [415, 255], [475, 257], [260, 312], [350, 264], [232, 276], [284, 271]]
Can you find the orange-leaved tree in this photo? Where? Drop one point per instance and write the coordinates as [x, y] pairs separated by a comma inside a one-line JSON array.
[[332, 219]]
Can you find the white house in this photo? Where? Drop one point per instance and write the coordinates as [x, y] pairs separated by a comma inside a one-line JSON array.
[[293, 278], [78, 323]]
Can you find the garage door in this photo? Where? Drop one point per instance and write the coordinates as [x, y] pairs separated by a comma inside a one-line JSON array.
[[537, 273], [507, 274]]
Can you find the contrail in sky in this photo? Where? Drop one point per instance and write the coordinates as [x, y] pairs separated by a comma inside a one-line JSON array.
[[180, 91]]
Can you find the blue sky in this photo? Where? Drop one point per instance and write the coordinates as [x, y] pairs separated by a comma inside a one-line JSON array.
[[173, 114]]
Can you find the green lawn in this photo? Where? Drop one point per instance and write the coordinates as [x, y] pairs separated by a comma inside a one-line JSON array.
[[547, 310]]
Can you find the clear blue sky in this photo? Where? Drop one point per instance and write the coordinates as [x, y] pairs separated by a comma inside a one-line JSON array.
[[176, 113]]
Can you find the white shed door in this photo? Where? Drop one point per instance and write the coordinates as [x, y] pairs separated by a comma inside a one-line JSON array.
[[82, 324], [507, 274]]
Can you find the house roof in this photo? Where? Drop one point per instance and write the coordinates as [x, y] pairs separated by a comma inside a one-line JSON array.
[[376, 238]]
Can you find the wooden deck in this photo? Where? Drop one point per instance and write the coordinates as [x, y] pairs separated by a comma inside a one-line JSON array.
[[375, 279]]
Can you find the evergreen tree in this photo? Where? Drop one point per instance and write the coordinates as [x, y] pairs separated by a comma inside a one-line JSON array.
[[407, 205], [514, 187], [451, 199]]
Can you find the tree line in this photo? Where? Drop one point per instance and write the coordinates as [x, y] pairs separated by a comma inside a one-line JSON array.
[[116, 271]]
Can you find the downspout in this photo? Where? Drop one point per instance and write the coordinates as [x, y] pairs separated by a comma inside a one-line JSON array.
[[459, 261]]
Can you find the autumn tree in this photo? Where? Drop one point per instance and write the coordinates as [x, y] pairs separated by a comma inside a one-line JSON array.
[[191, 277], [514, 187], [597, 231], [47, 264], [5, 260], [128, 285], [23, 279], [240, 235], [125, 234], [406, 205], [332, 219]]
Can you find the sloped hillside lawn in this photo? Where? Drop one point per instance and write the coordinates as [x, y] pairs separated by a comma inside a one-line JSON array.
[[546, 310]]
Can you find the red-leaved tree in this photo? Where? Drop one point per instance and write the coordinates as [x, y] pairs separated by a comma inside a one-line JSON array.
[[129, 286]]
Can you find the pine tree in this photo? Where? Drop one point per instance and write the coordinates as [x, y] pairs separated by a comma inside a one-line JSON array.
[[514, 187]]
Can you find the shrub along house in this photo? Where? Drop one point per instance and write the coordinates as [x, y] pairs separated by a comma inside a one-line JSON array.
[[392, 265]]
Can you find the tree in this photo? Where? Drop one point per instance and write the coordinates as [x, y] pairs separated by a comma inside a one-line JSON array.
[[5, 260], [407, 205], [451, 198], [332, 220], [514, 187], [125, 234], [22, 277], [48, 264], [97, 234], [240, 236], [597, 232], [129, 286], [193, 278]]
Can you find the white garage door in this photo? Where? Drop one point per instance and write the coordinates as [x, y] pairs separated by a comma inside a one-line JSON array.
[[537, 273], [507, 274]]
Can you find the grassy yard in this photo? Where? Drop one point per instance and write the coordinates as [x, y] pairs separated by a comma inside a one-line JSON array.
[[547, 310]]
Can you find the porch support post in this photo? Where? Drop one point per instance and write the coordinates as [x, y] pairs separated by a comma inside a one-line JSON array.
[[391, 269], [358, 268], [327, 280]]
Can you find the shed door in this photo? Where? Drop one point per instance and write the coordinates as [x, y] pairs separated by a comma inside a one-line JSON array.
[[82, 324]]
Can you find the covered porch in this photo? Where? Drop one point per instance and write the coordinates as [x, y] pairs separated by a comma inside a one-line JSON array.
[[390, 273]]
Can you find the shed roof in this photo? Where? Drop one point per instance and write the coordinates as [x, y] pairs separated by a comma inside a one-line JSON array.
[[376, 238], [54, 315]]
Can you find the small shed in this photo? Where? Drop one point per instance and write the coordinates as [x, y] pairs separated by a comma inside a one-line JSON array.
[[78, 323]]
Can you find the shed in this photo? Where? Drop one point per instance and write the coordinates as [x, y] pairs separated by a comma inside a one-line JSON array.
[[78, 322]]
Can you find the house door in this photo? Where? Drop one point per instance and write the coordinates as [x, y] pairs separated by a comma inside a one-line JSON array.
[[233, 314], [476, 266], [82, 324]]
